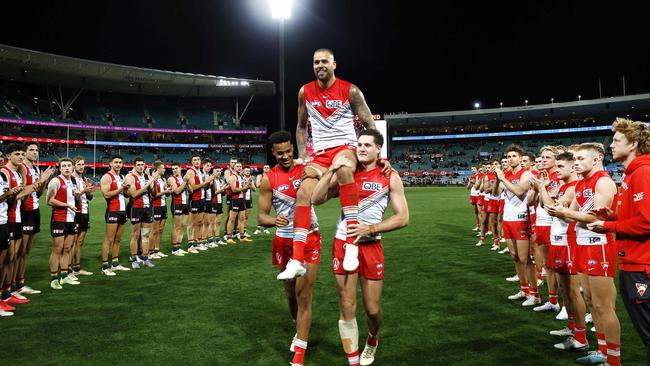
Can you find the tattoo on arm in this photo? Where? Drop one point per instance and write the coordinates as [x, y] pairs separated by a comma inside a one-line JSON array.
[[360, 107]]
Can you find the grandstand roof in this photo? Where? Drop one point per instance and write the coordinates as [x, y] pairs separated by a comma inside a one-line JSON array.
[[590, 107], [46, 68]]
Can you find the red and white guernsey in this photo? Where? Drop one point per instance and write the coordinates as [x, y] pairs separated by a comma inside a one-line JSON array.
[[160, 187], [330, 114], [515, 208], [141, 201], [285, 188], [116, 203], [32, 174], [82, 204], [374, 190], [14, 210], [585, 193], [4, 206], [198, 179], [560, 228], [543, 218], [492, 178], [181, 198], [64, 194], [228, 189], [472, 191], [216, 198], [207, 190]]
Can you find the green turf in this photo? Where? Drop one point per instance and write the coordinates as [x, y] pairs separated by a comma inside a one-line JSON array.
[[444, 304]]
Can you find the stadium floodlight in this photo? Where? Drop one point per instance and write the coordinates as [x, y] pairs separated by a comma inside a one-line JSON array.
[[579, 96], [526, 102], [281, 10], [552, 99], [477, 105], [500, 104]]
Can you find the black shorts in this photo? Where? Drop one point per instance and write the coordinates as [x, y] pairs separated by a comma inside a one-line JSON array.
[[179, 210], [238, 204], [15, 230], [83, 221], [58, 228], [31, 221], [209, 208], [228, 200], [249, 204], [139, 215], [4, 236], [197, 206], [115, 217], [218, 208], [160, 213]]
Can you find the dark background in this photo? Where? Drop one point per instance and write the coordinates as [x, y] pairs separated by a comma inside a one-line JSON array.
[[404, 55]]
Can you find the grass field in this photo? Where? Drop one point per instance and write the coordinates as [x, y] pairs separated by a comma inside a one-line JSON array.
[[444, 303]]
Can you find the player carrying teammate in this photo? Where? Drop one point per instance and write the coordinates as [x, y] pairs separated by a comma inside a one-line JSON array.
[[376, 191], [278, 188]]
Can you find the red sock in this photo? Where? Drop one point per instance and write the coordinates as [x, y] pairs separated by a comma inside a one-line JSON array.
[[300, 347], [579, 334], [552, 298], [301, 224], [353, 358], [572, 324], [613, 354], [372, 340], [350, 206], [524, 287], [539, 273], [602, 344]]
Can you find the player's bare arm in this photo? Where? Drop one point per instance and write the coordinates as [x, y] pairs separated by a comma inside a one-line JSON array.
[[398, 220], [264, 202], [52, 188], [301, 126], [520, 189], [360, 108], [603, 197], [105, 186]]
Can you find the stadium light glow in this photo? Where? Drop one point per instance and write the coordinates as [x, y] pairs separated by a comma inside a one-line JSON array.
[[552, 99], [500, 104], [477, 105], [526, 102], [281, 9], [579, 96]]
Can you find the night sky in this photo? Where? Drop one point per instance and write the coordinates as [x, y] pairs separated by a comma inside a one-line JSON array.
[[403, 56]]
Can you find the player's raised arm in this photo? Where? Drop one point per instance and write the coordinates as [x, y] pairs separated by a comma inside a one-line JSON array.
[[360, 108]]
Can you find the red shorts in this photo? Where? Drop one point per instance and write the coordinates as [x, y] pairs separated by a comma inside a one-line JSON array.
[[561, 259], [492, 206], [473, 200], [283, 250], [371, 259], [516, 230], [597, 260], [542, 235], [502, 204], [480, 200], [532, 218], [325, 158]]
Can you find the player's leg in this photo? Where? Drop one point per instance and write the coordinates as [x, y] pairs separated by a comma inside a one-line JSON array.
[[346, 287], [159, 234], [603, 300], [23, 253], [55, 260], [145, 237], [68, 240], [115, 249], [552, 284], [109, 238], [371, 292], [587, 295], [302, 220], [217, 228], [349, 198], [522, 261], [133, 243], [230, 224], [241, 221], [304, 291], [576, 330]]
